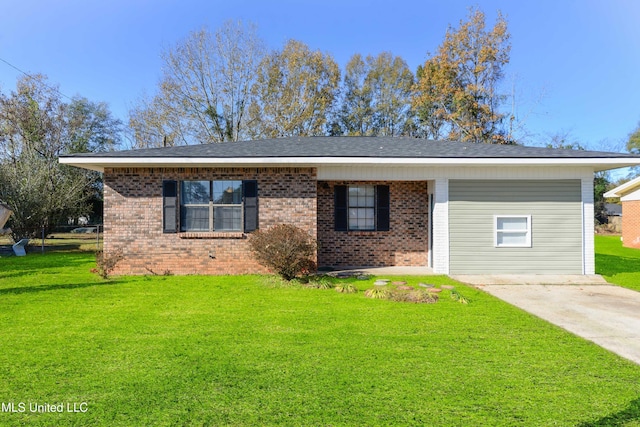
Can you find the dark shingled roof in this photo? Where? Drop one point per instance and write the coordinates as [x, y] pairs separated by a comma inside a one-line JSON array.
[[352, 146]]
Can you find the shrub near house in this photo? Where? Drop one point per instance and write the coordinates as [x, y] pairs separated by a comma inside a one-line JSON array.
[[285, 249]]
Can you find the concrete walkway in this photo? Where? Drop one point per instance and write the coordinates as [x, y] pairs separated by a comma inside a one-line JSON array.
[[607, 315], [530, 279]]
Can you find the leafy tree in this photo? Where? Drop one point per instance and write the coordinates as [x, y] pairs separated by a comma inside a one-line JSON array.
[[601, 184], [294, 92], [633, 143], [355, 116], [376, 98], [36, 127], [633, 146], [457, 93], [430, 116], [205, 92]]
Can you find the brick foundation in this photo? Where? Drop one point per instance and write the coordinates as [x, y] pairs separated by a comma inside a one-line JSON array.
[[133, 219], [631, 223], [405, 244]]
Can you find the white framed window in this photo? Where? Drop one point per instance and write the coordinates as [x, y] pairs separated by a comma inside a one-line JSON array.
[[362, 207], [194, 206], [512, 231], [211, 206]]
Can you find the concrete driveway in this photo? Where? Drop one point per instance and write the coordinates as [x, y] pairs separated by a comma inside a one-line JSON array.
[[604, 314]]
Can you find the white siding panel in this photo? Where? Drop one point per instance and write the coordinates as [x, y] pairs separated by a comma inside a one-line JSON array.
[[425, 173], [556, 211]]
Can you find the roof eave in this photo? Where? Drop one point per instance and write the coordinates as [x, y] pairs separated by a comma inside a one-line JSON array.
[[624, 189], [100, 163]]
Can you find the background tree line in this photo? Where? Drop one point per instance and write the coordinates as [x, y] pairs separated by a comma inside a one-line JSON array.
[[226, 86]]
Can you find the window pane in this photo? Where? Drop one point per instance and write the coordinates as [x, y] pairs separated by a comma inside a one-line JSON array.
[[369, 191], [512, 223], [369, 201], [368, 224], [194, 218], [354, 196], [361, 196], [361, 219], [512, 238], [195, 192], [227, 192], [227, 218]]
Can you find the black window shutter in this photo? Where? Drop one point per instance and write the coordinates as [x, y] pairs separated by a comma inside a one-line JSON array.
[[382, 207], [340, 220], [170, 206], [250, 195]]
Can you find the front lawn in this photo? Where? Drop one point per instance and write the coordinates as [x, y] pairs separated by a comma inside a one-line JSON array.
[[616, 263], [167, 350]]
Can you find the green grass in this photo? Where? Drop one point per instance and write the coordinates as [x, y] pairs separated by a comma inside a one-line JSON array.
[[616, 263], [245, 351]]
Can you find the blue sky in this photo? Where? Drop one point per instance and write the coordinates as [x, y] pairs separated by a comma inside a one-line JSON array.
[[575, 65]]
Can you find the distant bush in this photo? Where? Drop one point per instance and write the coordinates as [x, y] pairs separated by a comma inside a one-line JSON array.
[[105, 264], [320, 283], [456, 296], [285, 249], [346, 288]]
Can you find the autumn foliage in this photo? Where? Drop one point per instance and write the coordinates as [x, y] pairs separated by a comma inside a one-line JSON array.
[[457, 94]]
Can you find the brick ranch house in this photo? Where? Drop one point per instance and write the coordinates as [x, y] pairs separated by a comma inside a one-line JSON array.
[[369, 201], [629, 195]]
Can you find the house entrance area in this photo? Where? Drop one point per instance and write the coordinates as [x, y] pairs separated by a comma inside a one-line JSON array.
[[373, 223]]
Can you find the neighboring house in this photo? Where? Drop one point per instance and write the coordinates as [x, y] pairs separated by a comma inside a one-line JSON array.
[[369, 201], [629, 194], [613, 209], [614, 218]]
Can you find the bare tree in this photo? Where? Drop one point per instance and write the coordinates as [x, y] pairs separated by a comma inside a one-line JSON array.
[[205, 90]]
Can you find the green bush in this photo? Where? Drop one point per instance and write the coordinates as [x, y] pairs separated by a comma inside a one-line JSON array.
[[285, 249]]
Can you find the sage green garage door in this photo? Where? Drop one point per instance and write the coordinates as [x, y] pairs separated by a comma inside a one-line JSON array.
[[555, 210]]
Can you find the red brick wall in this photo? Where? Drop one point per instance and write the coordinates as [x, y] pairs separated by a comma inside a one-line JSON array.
[[631, 223], [405, 244], [133, 219]]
